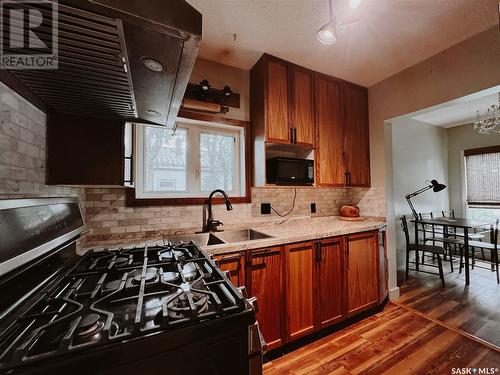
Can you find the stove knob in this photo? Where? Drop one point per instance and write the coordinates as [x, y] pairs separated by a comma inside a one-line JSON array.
[[243, 291], [253, 302]]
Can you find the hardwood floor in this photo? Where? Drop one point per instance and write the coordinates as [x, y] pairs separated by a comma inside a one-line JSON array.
[[473, 309], [394, 341]]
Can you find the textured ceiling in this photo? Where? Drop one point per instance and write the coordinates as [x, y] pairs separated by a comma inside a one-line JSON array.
[[460, 111], [391, 35]]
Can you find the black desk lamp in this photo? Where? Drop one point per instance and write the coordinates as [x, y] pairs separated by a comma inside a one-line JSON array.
[[434, 185]]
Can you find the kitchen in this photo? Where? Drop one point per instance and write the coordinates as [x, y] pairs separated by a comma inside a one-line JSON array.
[[274, 164]]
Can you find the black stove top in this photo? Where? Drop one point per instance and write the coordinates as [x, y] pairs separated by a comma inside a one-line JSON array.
[[116, 295]]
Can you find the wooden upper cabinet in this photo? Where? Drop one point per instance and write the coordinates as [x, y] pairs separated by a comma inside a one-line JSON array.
[[282, 102], [299, 289], [278, 124], [265, 281], [302, 112], [85, 151], [290, 104], [235, 264], [330, 290], [362, 271], [356, 135], [329, 160]]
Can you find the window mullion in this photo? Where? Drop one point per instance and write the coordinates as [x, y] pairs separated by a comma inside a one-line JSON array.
[[194, 159]]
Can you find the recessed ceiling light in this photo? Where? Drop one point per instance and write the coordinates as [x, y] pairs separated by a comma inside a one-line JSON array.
[[152, 113], [152, 64]]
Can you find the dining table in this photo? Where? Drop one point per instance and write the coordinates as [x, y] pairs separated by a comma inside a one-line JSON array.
[[457, 223]]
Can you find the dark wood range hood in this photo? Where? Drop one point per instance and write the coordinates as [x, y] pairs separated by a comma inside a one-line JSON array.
[[104, 48]]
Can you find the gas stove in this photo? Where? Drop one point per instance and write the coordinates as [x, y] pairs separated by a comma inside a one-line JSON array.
[[110, 301]]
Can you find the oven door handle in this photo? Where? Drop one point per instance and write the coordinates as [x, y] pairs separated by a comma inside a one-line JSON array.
[[256, 342]]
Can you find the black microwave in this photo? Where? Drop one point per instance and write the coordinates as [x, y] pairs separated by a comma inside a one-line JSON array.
[[290, 171]]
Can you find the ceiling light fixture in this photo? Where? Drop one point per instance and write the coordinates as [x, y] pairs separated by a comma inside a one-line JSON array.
[[204, 85], [227, 91], [491, 122], [353, 4], [327, 34]]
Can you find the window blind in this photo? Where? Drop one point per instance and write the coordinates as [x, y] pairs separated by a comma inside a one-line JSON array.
[[482, 177]]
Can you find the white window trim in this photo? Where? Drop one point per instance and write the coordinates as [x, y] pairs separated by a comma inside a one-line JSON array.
[[194, 172]]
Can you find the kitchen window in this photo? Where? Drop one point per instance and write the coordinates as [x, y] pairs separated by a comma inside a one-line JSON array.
[[482, 180], [190, 161]]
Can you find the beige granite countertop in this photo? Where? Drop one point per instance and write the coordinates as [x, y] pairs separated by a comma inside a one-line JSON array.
[[299, 231], [282, 231]]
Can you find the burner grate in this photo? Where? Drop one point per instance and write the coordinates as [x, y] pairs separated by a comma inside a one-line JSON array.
[[119, 294]]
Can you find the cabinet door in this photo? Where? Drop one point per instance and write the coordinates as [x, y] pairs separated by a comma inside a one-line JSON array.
[[235, 264], [329, 139], [266, 285], [330, 290], [302, 106], [362, 271], [278, 124], [356, 142], [299, 289], [84, 151]]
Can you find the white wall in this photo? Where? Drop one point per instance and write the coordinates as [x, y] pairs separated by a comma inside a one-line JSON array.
[[465, 68], [462, 138], [419, 154]]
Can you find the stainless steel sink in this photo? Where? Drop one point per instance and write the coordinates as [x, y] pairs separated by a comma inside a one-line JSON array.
[[208, 239], [241, 235], [201, 239]]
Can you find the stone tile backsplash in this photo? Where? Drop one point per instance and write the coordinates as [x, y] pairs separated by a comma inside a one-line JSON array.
[[108, 217], [23, 150]]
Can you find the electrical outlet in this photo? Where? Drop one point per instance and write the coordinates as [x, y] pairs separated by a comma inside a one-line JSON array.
[[265, 208], [313, 208]]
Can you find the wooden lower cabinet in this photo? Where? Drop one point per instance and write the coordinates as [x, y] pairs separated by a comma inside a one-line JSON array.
[[234, 263], [305, 287], [330, 285], [299, 284], [362, 271], [265, 282]]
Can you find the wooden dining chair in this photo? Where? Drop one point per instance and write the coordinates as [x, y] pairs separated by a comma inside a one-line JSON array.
[[492, 246], [435, 250]]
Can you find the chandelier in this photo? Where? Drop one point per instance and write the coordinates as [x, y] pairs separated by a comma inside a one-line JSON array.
[[491, 122]]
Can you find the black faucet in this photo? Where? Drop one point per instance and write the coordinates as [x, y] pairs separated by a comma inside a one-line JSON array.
[[211, 223]]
